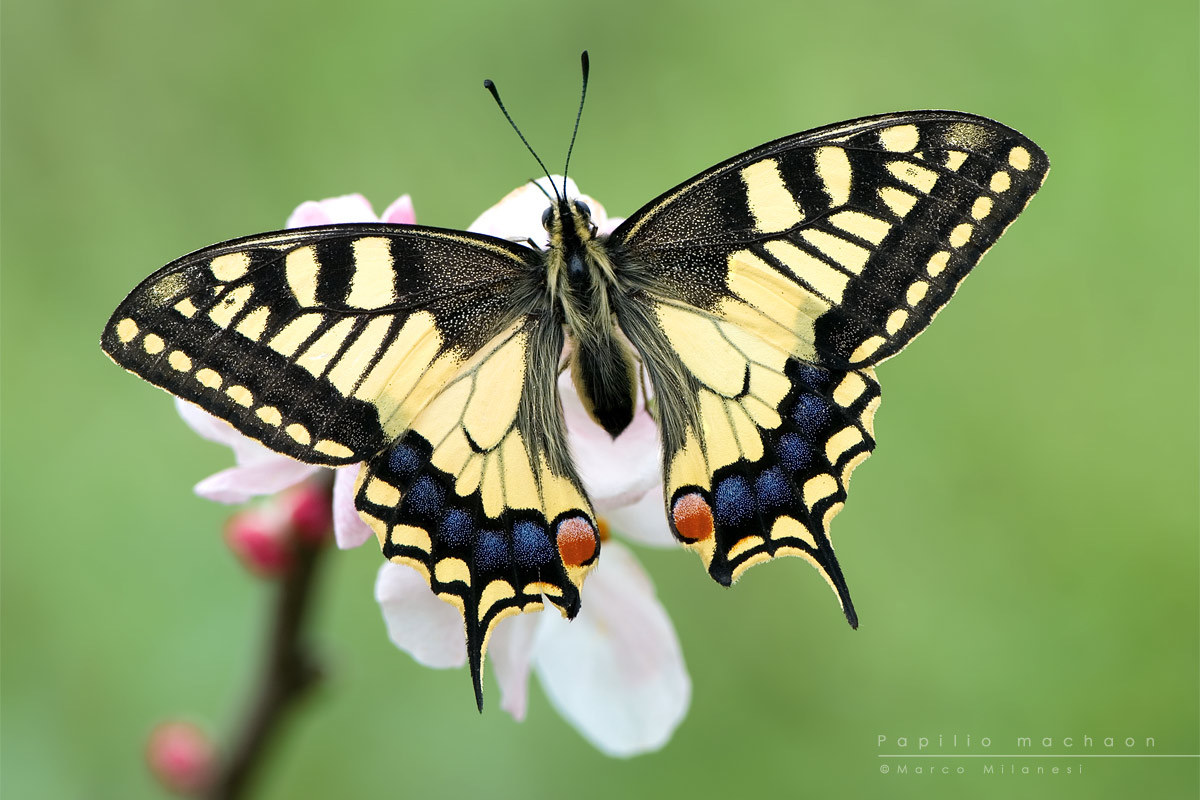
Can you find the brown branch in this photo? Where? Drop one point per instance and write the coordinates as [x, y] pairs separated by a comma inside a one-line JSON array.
[[288, 671]]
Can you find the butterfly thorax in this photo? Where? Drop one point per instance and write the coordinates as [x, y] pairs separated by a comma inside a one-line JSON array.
[[580, 279]]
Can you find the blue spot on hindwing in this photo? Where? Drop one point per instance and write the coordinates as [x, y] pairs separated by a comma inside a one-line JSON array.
[[404, 461], [773, 490], [531, 544], [424, 498], [795, 453], [491, 551], [815, 377], [734, 501], [811, 414], [456, 528]]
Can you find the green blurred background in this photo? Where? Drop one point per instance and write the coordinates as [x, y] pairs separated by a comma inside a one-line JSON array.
[[1022, 548]]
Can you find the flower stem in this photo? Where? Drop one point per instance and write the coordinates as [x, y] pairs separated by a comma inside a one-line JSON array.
[[288, 671]]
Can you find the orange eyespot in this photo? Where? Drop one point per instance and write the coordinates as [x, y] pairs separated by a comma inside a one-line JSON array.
[[693, 517], [577, 541]]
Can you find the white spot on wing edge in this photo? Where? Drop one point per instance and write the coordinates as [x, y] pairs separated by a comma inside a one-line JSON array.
[[126, 329], [1019, 158]]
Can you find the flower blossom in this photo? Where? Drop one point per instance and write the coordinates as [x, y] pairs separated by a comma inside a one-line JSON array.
[[616, 671]]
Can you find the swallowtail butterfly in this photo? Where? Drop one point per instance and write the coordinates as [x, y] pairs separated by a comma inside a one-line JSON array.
[[756, 298]]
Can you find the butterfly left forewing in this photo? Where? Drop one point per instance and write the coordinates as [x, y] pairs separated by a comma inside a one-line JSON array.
[[480, 495]]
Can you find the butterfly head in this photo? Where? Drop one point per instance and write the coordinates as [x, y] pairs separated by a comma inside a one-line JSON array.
[[569, 223]]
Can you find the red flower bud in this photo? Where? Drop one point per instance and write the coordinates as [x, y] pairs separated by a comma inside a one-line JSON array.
[[182, 757], [261, 541], [310, 510]]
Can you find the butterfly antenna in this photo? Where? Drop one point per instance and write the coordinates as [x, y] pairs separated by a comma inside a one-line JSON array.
[[491, 87], [583, 59]]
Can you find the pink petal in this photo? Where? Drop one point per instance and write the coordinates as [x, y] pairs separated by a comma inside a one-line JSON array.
[[400, 212], [245, 450], [239, 484], [259, 470], [644, 522], [511, 652], [332, 210], [205, 424], [616, 672], [615, 472], [428, 629], [349, 530], [307, 214]]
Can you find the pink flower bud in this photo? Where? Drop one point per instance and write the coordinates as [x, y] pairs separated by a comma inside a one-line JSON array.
[[261, 540], [181, 757], [310, 510]]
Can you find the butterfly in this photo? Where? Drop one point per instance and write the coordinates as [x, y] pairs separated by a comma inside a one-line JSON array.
[[755, 298]]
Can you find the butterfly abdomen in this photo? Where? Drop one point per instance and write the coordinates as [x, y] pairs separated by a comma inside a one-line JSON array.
[[606, 379]]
